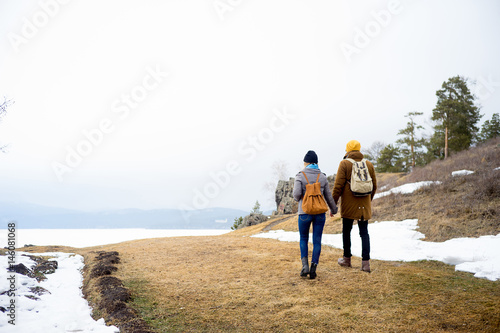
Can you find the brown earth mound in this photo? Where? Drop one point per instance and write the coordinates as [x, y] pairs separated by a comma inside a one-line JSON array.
[[107, 294]]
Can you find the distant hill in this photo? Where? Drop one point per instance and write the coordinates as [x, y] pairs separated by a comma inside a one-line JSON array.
[[29, 216]]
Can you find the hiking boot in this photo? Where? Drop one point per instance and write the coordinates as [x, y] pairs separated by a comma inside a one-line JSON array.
[[365, 266], [345, 262], [305, 267], [312, 271]]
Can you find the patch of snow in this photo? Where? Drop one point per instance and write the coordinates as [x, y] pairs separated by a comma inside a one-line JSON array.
[[462, 173], [400, 241], [497, 168], [383, 187], [62, 309], [406, 188]]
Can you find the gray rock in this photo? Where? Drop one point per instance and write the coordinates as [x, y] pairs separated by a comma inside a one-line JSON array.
[[39, 290], [46, 267], [252, 219], [20, 269], [285, 203]]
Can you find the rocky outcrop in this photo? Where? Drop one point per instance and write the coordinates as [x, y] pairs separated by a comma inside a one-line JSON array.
[[331, 181], [285, 203], [252, 219]]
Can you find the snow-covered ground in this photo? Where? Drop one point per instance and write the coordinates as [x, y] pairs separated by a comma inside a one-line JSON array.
[[62, 309], [400, 241], [412, 187], [93, 237], [462, 173], [405, 189]]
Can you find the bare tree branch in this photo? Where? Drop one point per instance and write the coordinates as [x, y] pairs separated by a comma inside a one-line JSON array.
[[3, 107], [3, 111], [279, 172]]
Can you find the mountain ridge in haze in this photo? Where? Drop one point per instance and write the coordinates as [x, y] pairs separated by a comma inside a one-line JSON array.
[[32, 216]]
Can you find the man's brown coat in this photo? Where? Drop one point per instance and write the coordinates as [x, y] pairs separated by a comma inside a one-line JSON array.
[[352, 207]]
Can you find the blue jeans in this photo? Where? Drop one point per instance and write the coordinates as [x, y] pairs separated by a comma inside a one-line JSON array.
[[363, 233], [318, 223]]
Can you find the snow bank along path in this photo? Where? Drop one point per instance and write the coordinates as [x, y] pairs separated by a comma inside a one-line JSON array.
[[405, 189], [399, 241], [62, 309]]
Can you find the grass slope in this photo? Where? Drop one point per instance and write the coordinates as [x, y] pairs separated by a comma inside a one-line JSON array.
[[462, 206]]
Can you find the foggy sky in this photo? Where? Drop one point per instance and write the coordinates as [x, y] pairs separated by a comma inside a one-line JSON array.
[[187, 104]]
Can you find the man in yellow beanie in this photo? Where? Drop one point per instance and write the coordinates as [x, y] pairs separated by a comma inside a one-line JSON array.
[[354, 206], [353, 145]]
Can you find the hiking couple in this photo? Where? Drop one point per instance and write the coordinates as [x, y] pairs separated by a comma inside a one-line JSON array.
[[314, 203]]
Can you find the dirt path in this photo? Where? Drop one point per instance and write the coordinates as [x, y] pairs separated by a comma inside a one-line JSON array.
[[276, 222]]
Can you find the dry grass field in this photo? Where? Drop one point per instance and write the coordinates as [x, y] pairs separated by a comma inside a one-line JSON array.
[[235, 283]]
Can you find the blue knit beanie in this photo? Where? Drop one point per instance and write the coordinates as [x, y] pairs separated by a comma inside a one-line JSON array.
[[311, 157]]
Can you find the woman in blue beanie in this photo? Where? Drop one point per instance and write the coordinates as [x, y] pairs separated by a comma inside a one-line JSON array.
[[310, 174]]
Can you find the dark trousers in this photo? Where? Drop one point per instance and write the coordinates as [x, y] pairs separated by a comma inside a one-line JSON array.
[[363, 233]]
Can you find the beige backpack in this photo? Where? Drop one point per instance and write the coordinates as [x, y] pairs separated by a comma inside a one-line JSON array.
[[313, 202], [361, 181]]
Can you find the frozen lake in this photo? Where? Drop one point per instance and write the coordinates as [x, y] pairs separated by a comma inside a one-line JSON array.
[[93, 237]]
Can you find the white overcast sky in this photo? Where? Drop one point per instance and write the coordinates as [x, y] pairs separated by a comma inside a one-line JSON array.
[[236, 86]]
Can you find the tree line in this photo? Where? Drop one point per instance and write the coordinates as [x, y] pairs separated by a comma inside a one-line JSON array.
[[455, 120]]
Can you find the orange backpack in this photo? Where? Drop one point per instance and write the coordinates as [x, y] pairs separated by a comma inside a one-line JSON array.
[[313, 202]]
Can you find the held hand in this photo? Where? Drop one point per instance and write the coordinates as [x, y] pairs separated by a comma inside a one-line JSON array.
[[331, 214]]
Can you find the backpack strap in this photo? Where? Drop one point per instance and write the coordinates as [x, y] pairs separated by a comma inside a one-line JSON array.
[[353, 161], [307, 180]]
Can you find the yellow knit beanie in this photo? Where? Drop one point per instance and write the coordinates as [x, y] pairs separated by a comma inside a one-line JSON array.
[[353, 145]]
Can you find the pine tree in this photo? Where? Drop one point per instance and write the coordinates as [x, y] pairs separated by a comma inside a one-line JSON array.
[[456, 115], [237, 222], [413, 144], [256, 208], [491, 129], [390, 160], [434, 147]]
